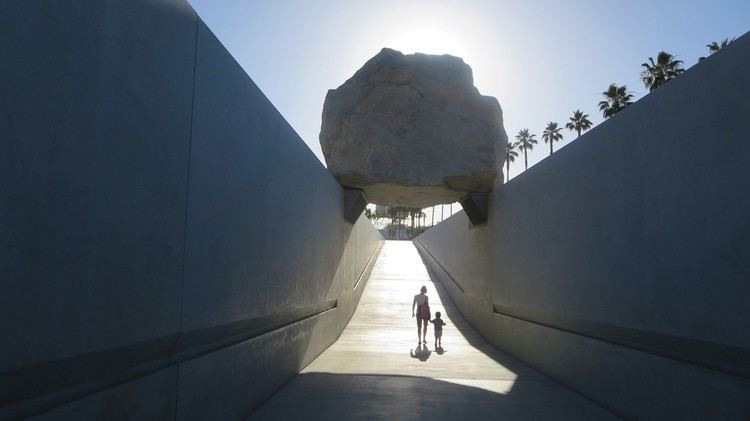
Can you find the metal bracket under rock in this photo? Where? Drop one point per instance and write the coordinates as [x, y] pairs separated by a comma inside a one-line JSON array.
[[355, 203], [476, 207]]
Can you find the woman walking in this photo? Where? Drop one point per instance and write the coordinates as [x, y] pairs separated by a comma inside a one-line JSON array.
[[422, 304]]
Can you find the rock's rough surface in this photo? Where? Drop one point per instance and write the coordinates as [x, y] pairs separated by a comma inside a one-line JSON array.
[[413, 130]]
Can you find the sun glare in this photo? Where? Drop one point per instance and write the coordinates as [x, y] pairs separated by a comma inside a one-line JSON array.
[[427, 40]]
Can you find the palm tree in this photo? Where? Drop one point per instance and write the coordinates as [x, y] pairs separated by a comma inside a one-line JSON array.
[[656, 74], [552, 134], [397, 214], [510, 155], [716, 46], [414, 213], [617, 98], [526, 142], [579, 122]]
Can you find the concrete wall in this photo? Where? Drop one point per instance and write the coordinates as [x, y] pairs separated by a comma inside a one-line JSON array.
[[169, 247], [619, 266]]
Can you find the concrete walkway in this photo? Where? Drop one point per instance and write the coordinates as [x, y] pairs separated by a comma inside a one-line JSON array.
[[376, 371]]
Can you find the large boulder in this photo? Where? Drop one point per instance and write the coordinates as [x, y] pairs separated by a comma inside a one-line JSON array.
[[413, 130]]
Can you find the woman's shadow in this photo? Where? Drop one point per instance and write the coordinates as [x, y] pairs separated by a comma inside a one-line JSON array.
[[422, 353]]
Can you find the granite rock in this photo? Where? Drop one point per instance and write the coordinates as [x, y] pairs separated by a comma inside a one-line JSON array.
[[413, 130]]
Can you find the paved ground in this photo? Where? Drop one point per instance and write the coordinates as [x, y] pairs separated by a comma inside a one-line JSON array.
[[376, 370]]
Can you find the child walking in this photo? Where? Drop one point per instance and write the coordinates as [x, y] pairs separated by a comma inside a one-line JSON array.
[[438, 323]]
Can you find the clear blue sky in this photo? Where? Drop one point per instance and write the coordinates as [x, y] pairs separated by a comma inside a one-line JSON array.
[[541, 59]]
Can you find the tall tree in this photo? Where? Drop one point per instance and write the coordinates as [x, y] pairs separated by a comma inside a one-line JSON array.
[[716, 46], [552, 134], [616, 99], [397, 215], [510, 155], [656, 74], [526, 142], [579, 122], [414, 213]]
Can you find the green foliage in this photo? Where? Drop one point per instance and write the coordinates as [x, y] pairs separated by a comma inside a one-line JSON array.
[[525, 142], [714, 46], [656, 74], [552, 134], [579, 122], [510, 155], [398, 215], [510, 152], [616, 99]]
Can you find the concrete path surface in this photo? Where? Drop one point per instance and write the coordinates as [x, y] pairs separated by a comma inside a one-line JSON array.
[[377, 371]]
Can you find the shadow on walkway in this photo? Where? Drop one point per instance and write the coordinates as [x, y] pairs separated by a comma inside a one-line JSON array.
[[324, 396], [366, 374], [467, 331], [422, 353]]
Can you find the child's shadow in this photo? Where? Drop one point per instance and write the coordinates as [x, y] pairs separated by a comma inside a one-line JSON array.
[[422, 353]]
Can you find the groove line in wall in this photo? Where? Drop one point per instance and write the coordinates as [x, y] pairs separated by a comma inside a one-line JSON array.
[[728, 359], [39, 388], [187, 203], [427, 252], [369, 264], [725, 358]]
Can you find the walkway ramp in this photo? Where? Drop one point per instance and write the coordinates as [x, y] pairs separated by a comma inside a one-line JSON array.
[[376, 371]]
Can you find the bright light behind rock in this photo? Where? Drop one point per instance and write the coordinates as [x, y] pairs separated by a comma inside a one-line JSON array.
[[428, 40]]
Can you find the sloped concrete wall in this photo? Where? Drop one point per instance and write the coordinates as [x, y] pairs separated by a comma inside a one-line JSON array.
[[620, 265], [169, 247]]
